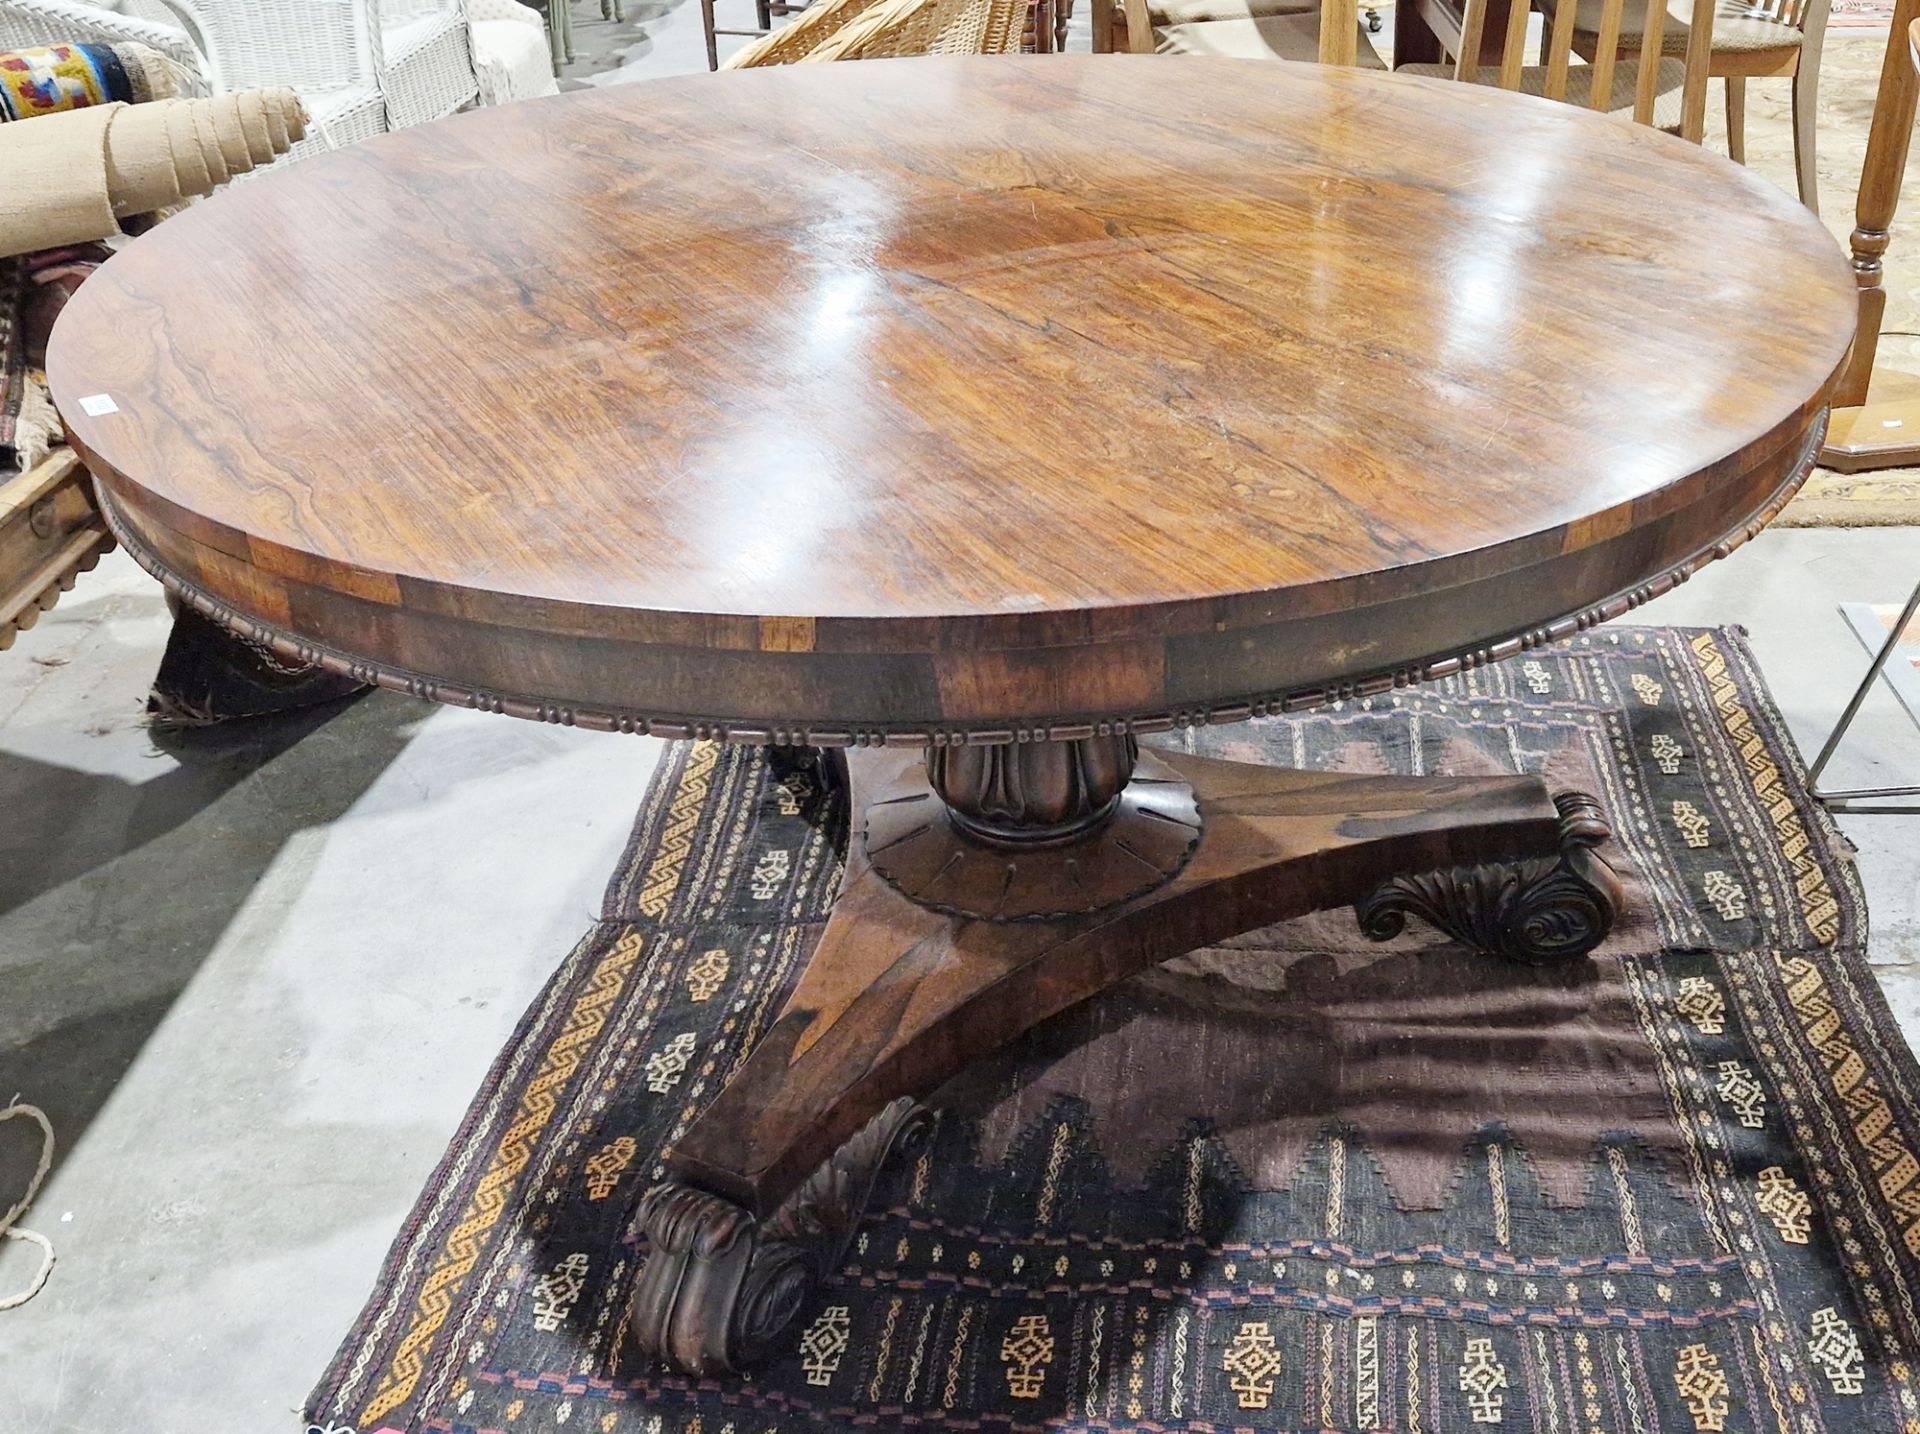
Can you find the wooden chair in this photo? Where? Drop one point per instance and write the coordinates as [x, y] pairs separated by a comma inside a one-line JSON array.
[[1868, 432], [884, 29], [1329, 34], [1873, 799], [1752, 39], [1670, 94]]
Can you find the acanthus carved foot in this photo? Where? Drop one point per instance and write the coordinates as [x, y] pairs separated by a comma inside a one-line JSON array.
[[1539, 912], [721, 1289]]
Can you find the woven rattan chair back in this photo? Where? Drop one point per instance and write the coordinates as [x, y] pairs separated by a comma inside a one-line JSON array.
[[895, 28], [817, 24], [885, 29]]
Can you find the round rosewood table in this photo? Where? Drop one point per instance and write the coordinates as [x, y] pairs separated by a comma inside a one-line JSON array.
[[976, 417]]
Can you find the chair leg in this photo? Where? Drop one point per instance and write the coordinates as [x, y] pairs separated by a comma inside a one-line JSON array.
[[1737, 118], [1806, 103], [713, 40], [1040, 26]]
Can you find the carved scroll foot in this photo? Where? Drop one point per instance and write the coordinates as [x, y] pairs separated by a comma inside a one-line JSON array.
[[1538, 912], [721, 1289]]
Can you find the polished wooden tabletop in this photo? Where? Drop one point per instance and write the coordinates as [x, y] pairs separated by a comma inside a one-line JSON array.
[[957, 396]]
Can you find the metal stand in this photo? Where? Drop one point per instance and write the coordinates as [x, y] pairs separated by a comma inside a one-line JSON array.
[[1848, 801]]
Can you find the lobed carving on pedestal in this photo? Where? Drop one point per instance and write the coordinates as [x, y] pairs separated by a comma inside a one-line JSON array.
[[1025, 794], [1086, 846], [720, 1289], [1537, 912]]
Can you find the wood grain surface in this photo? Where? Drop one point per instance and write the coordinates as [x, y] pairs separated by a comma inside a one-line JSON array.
[[956, 398]]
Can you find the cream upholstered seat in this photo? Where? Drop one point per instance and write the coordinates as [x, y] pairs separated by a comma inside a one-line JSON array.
[[1751, 38], [1330, 34], [1167, 13], [1736, 26], [1669, 85], [1271, 37], [511, 53]]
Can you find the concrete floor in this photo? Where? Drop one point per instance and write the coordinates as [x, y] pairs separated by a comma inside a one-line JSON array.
[[255, 975]]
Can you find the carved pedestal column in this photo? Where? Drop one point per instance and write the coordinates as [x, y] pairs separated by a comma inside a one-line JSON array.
[[1033, 831]]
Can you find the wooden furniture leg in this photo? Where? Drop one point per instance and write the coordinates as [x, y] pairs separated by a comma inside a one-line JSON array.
[[1414, 40], [1425, 30], [1863, 436], [51, 531], [1806, 97], [990, 888], [1737, 118]]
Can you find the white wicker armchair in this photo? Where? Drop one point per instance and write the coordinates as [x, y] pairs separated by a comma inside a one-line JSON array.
[[361, 66], [511, 51]]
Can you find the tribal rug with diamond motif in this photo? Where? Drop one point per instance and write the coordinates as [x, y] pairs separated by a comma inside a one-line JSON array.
[[1294, 1183]]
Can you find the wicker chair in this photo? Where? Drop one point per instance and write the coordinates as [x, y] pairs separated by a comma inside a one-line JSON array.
[[511, 54], [928, 27], [886, 29], [360, 66], [818, 23]]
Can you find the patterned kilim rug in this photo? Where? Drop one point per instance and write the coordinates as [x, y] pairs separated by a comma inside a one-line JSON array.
[[1295, 1183]]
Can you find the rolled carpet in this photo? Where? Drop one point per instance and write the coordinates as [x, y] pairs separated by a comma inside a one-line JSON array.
[[91, 168]]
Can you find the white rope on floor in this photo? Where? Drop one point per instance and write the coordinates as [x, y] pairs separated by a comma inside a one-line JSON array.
[[14, 1212]]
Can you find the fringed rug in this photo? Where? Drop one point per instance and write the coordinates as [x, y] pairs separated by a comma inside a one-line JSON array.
[[1296, 1183], [1888, 499]]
